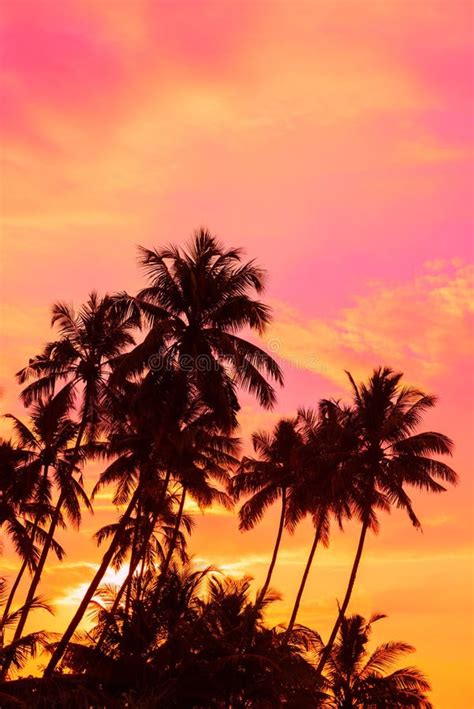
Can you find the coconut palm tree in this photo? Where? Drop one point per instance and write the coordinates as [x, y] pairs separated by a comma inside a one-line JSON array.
[[197, 452], [196, 302], [272, 475], [390, 455], [219, 667], [323, 491], [73, 496], [191, 453], [357, 678], [146, 444], [81, 361], [187, 649], [135, 429], [20, 513], [121, 648], [44, 444]]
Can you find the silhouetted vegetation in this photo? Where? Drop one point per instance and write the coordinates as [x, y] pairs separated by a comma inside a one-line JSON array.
[[149, 385]]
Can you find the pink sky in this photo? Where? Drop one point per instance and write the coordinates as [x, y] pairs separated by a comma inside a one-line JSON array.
[[333, 140]]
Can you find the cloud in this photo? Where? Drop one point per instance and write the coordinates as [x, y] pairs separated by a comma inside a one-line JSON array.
[[423, 327]]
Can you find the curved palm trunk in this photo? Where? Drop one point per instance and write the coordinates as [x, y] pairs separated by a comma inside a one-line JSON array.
[[169, 555], [276, 548], [13, 591], [133, 563], [88, 596], [342, 611], [140, 578], [317, 536]]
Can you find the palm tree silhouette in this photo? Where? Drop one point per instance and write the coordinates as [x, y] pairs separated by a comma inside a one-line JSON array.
[[196, 302], [190, 648], [80, 360], [191, 453], [357, 678], [136, 431], [323, 491], [45, 445], [274, 474], [197, 453], [388, 457]]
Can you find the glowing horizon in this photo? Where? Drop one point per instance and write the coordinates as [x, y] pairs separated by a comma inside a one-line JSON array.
[[332, 142]]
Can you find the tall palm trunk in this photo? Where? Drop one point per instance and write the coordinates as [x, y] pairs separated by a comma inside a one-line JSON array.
[[276, 548], [342, 611], [317, 537], [133, 562], [13, 591], [171, 548], [140, 577], [88, 596]]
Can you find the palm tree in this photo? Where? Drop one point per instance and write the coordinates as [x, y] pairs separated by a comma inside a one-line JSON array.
[[18, 506], [191, 452], [198, 452], [135, 430], [220, 667], [188, 649], [356, 678], [196, 302], [81, 360], [274, 474], [121, 648], [323, 491], [44, 445], [73, 495], [389, 456]]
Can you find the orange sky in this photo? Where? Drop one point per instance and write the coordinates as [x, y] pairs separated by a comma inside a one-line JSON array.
[[333, 140]]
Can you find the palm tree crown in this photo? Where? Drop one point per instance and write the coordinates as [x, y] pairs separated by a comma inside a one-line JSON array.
[[197, 301], [357, 678], [389, 455]]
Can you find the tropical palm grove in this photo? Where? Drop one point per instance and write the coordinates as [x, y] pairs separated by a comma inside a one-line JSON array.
[[149, 385]]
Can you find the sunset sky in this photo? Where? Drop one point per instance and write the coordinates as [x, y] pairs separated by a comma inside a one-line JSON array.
[[332, 140]]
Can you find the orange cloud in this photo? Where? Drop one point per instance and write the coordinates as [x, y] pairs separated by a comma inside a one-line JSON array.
[[412, 325]]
